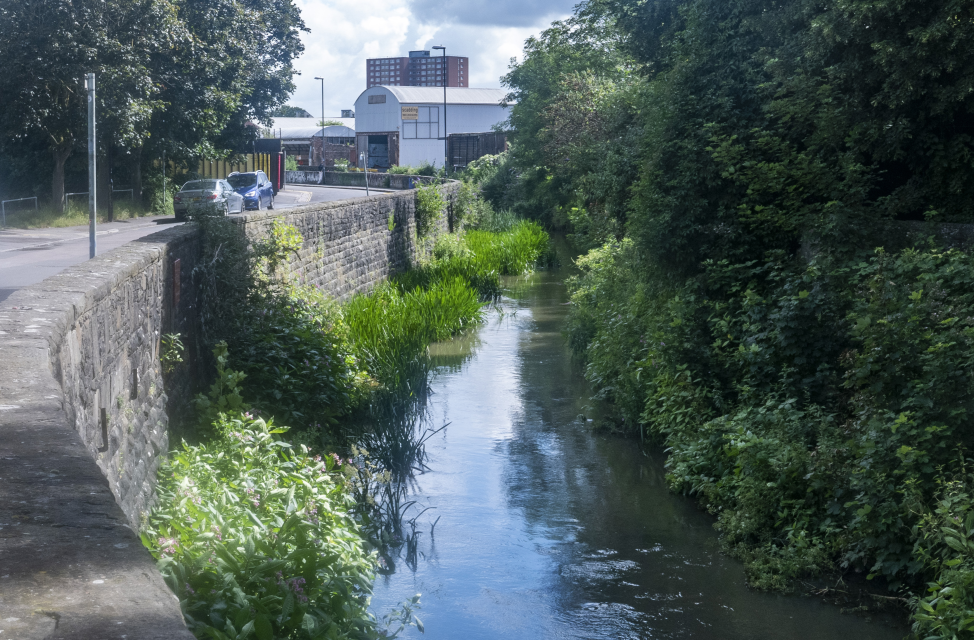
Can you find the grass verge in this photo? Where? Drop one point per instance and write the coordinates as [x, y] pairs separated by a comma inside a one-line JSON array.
[[73, 216]]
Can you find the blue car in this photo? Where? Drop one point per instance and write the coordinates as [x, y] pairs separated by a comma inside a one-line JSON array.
[[256, 189]]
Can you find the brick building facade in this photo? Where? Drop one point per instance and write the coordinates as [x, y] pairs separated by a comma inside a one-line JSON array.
[[419, 69]]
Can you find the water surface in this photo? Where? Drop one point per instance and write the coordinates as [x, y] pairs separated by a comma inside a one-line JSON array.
[[548, 530]]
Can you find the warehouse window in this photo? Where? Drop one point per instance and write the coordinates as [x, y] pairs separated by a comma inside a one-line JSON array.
[[427, 124], [380, 99]]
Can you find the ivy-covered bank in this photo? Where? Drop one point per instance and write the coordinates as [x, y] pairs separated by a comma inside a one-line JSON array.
[[272, 531], [739, 176]]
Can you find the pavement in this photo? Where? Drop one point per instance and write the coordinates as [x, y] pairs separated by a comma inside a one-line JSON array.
[[28, 256]]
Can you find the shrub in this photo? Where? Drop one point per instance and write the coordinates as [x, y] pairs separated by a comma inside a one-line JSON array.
[[482, 169], [816, 411], [429, 208], [288, 341], [424, 169], [256, 538], [299, 364], [472, 211], [945, 542]]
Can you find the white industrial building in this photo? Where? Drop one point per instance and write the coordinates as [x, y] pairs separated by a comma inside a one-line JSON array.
[[405, 125]]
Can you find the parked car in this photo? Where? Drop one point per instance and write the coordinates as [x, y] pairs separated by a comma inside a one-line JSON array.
[[256, 189], [209, 197]]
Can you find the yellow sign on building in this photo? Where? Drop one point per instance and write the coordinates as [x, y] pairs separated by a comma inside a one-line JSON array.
[[410, 113]]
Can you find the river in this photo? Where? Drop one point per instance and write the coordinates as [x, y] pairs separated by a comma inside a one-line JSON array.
[[547, 529]]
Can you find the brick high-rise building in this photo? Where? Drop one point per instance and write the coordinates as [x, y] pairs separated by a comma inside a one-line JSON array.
[[420, 69]]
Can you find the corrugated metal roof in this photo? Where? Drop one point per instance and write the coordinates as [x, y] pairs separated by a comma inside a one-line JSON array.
[[306, 133], [334, 131], [454, 95], [304, 123], [295, 134]]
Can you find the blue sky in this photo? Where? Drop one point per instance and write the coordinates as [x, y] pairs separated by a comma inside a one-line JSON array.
[[343, 34]]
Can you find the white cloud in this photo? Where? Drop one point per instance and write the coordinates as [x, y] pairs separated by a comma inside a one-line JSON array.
[[340, 41]]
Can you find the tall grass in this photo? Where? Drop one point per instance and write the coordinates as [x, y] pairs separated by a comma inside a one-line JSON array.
[[390, 327], [511, 252], [486, 218], [481, 257]]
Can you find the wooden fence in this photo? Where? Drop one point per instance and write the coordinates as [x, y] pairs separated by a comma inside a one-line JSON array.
[[222, 168]]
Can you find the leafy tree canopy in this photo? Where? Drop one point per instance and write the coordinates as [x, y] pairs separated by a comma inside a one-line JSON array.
[[287, 111], [188, 76]]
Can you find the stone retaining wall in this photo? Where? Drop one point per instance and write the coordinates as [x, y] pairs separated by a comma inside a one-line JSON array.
[[85, 409], [350, 245], [83, 421]]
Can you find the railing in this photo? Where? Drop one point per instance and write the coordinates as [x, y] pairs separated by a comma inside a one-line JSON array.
[[3, 207], [131, 193], [3, 203], [68, 195]]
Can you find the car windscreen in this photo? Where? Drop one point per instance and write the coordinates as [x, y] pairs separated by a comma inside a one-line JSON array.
[[199, 185], [242, 180]]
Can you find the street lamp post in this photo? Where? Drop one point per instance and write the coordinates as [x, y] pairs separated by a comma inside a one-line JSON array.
[[92, 164], [446, 139], [322, 126]]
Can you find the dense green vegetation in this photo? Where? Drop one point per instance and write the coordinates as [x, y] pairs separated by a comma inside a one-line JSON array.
[[257, 538], [260, 530], [309, 362], [741, 176], [424, 169], [182, 77]]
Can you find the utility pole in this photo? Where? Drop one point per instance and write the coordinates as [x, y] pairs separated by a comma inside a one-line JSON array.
[[92, 207], [446, 137]]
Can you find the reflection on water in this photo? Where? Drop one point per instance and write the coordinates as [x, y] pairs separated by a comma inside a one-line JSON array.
[[547, 530]]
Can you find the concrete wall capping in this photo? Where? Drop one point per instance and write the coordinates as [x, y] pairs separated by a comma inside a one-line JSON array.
[[85, 410]]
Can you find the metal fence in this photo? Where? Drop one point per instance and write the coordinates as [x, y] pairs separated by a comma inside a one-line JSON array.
[[131, 193], [3, 207], [67, 196]]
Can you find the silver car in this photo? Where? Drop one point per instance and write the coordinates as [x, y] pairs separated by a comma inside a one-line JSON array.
[[207, 197]]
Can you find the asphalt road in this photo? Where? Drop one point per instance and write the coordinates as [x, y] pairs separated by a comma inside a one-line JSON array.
[[28, 256]]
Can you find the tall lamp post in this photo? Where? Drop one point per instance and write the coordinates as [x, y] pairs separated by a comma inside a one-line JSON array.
[[92, 164], [446, 140], [322, 127]]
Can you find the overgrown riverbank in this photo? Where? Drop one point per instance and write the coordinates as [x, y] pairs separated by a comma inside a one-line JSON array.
[[273, 531], [739, 175]]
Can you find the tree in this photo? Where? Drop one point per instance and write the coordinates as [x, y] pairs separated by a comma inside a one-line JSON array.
[[188, 76], [41, 89], [584, 44], [235, 69], [287, 111]]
